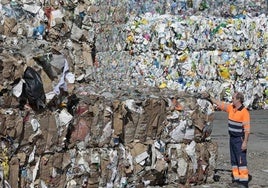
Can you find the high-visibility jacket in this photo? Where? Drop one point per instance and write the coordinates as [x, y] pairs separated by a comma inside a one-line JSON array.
[[238, 119]]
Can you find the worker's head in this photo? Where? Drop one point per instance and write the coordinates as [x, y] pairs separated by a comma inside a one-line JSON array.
[[237, 98]]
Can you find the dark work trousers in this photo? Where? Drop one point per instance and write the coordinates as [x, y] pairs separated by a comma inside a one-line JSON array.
[[238, 161]]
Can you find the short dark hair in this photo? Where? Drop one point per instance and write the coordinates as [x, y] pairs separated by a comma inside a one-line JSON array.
[[239, 96]]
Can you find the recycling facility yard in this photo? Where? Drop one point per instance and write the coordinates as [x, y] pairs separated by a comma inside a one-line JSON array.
[[106, 93]]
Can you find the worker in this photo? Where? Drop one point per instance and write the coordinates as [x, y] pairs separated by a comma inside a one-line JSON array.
[[239, 129]]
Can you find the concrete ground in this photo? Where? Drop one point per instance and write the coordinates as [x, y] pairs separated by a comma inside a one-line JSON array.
[[257, 150]]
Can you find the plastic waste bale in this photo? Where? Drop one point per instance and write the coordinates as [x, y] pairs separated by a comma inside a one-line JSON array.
[[197, 47]]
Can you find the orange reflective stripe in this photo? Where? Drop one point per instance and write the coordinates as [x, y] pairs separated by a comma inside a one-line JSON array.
[[243, 177], [235, 172], [243, 173]]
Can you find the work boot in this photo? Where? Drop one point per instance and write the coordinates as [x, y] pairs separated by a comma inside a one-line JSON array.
[[243, 185], [233, 184], [237, 185]]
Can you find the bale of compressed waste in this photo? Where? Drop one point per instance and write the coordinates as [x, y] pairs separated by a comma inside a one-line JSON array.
[[94, 141]]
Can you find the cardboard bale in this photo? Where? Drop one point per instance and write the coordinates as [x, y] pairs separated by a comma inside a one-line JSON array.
[[92, 151]]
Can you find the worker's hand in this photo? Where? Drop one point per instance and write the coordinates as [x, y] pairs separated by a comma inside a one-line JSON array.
[[244, 146]]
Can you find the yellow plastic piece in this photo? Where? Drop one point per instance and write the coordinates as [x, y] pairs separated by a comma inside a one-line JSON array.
[[144, 21], [4, 163], [224, 72], [162, 85]]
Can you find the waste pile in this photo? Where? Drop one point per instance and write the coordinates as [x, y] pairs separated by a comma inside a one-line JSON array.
[[198, 52], [182, 45], [139, 139], [106, 93]]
